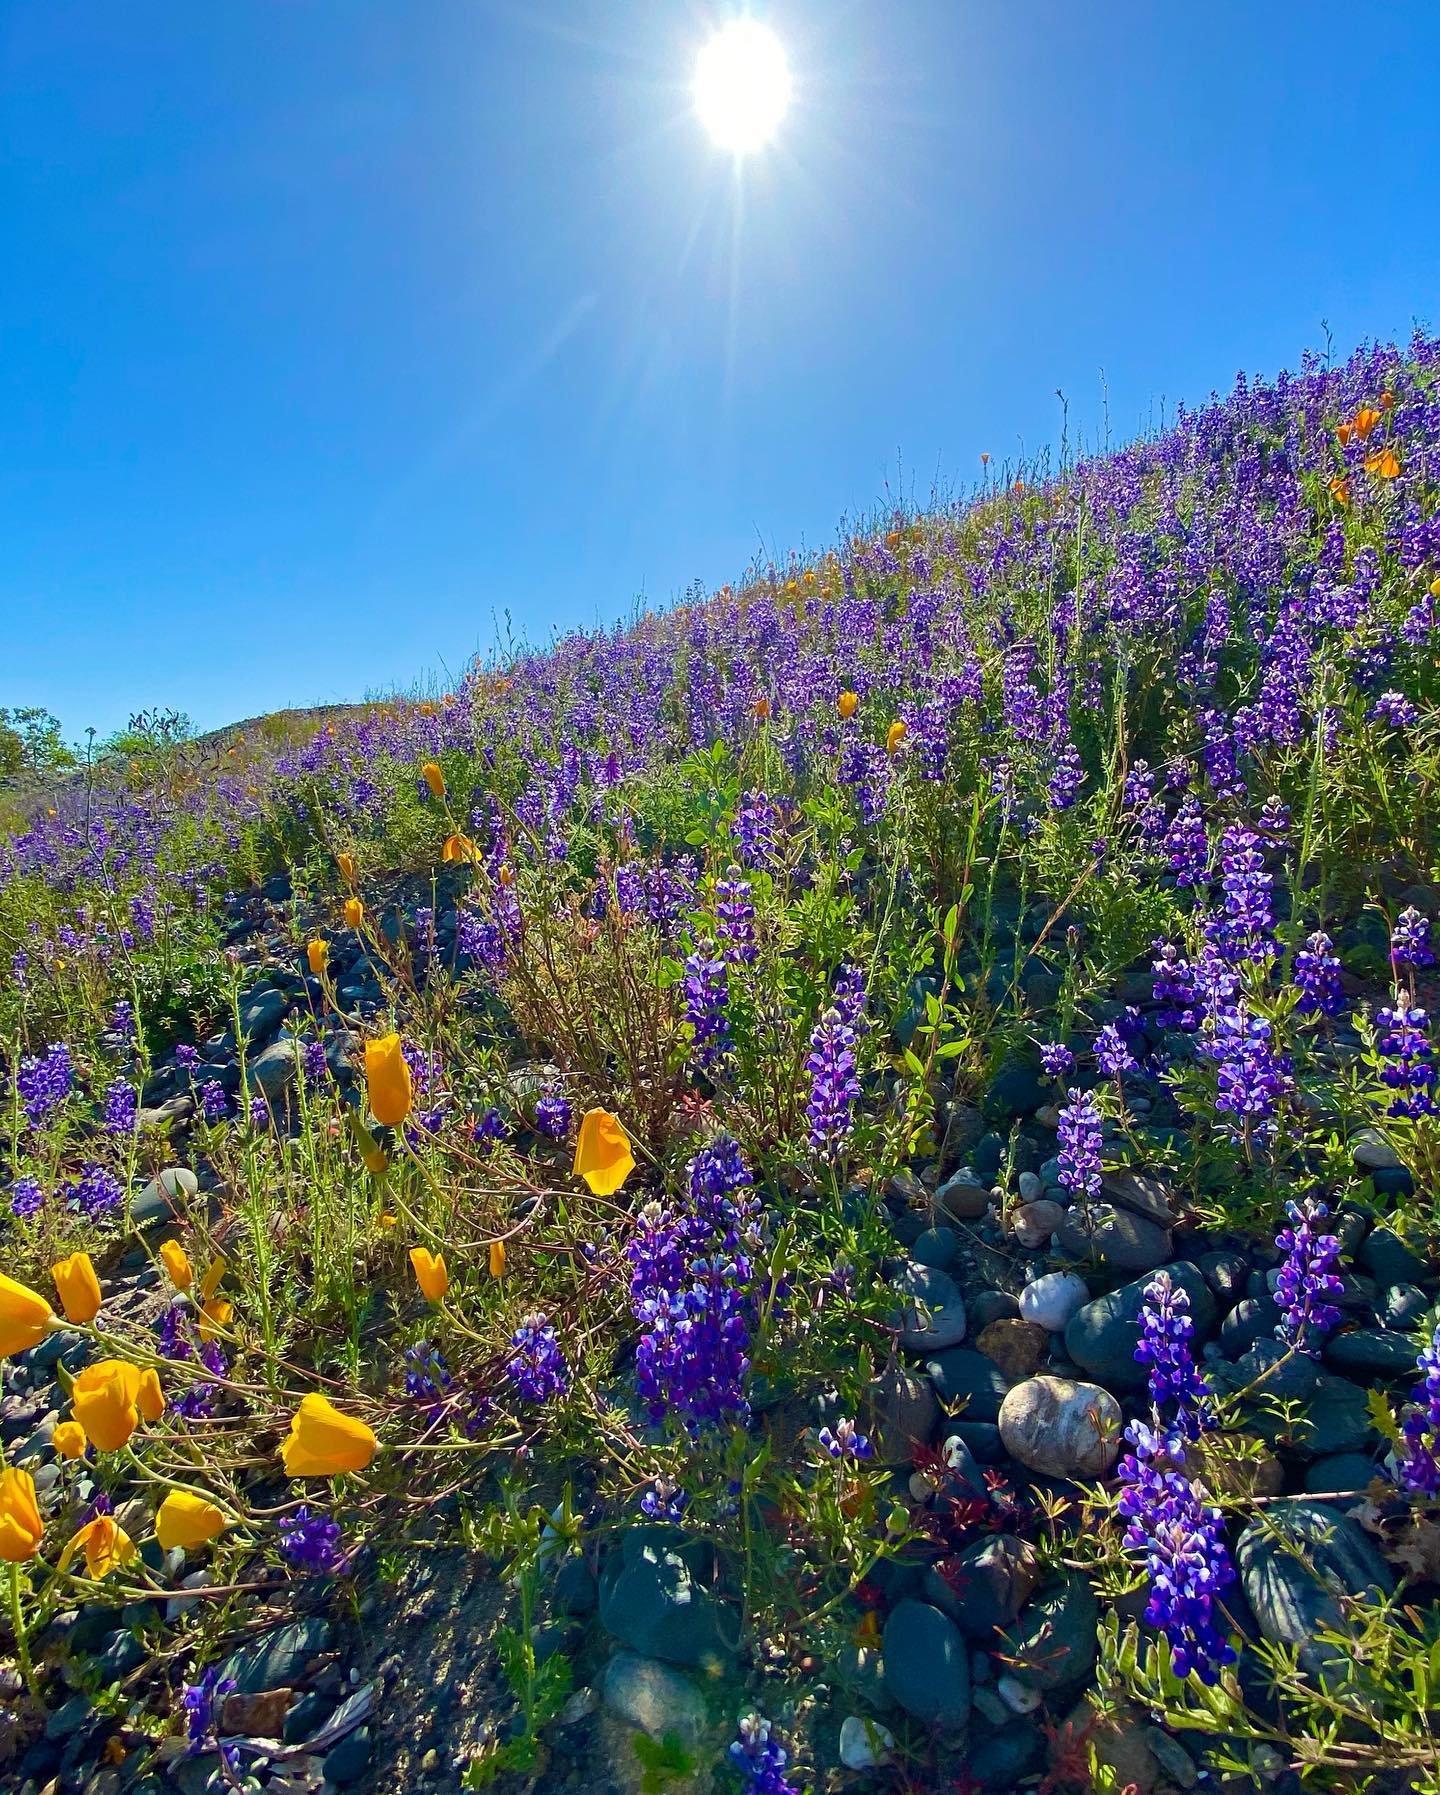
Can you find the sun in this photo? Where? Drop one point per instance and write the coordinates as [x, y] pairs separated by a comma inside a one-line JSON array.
[[742, 86]]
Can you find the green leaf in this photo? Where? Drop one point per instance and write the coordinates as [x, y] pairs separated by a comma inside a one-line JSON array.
[[1382, 1415]]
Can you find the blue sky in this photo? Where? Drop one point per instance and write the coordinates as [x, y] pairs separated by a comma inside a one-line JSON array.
[[331, 332]]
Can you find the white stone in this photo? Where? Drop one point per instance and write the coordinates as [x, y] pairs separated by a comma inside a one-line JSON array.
[[1060, 1428], [1051, 1300], [864, 1744], [1018, 1697]]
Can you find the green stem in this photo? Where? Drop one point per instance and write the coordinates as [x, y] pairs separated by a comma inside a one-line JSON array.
[[22, 1642]]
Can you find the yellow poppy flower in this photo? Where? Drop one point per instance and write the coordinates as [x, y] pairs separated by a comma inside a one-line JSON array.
[[497, 1258], [459, 848], [374, 1160], [78, 1286], [387, 1080], [1340, 490], [185, 1519], [433, 778], [150, 1398], [105, 1543], [430, 1273], [20, 1523], [215, 1317], [346, 864], [177, 1264], [354, 913], [1385, 463], [317, 952], [602, 1153], [1365, 421], [106, 1400], [214, 1276], [894, 735], [25, 1317], [847, 703], [323, 1442], [69, 1439]]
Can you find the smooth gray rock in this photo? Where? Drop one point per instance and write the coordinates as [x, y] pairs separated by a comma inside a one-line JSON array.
[[652, 1601], [964, 1197], [936, 1247], [1050, 1301], [932, 1316], [902, 1412], [927, 1665], [1296, 1562], [1405, 1306], [1342, 1473], [647, 1694], [1116, 1237], [964, 1375], [163, 1197], [1055, 1642], [272, 1071], [1389, 1261], [1144, 1193], [983, 1586], [278, 1659], [1372, 1352], [1101, 1336]]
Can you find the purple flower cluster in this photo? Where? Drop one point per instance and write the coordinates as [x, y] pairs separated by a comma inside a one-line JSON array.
[[96, 1193], [844, 1440], [44, 1081], [1316, 975], [664, 1501], [201, 1703], [1407, 1058], [691, 1290], [834, 1084], [757, 830], [1417, 1457], [312, 1542], [1056, 1059], [1242, 932], [552, 1116], [735, 918], [1186, 1557], [214, 1104], [1307, 1286], [26, 1198], [1081, 1131], [1165, 1334], [537, 1366], [1410, 941], [760, 1758], [706, 990]]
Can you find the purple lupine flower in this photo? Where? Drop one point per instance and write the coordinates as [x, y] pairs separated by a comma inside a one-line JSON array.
[[122, 1020], [489, 1130], [312, 1542], [1187, 846], [427, 1379], [122, 1103], [757, 830], [1175, 988], [537, 1366], [214, 1104], [552, 1116], [44, 1081], [1080, 1132], [202, 1702], [844, 1441], [26, 1198], [691, 1277], [834, 1086], [1242, 932], [1165, 1333], [1251, 1077], [1056, 1059], [1067, 778], [1410, 940], [259, 1112], [1185, 1552], [313, 1063], [1139, 785], [760, 1758], [1417, 1456], [1407, 1058], [847, 995], [865, 768], [1112, 1053], [1316, 975], [664, 1501], [1273, 824], [1395, 709], [187, 1058], [735, 918], [706, 990], [1307, 1287], [96, 1193]]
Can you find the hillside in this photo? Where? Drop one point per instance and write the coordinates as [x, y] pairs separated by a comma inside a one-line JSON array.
[[832, 1188]]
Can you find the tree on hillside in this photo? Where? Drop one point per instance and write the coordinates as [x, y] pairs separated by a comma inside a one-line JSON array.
[[31, 744]]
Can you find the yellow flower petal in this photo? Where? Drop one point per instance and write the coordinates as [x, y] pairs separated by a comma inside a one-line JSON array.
[[602, 1153]]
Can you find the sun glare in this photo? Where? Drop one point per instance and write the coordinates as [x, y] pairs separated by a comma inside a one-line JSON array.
[[742, 86]]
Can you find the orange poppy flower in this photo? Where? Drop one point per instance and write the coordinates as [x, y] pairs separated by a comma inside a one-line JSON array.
[[602, 1153]]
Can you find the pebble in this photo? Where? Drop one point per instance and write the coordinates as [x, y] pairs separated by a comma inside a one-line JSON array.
[[933, 1316], [901, 1412], [927, 1666], [1295, 1562], [1032, 1187], [651, 1696], [1016, 1346], [936, 1247], [1017, 1696], [1060, 1428], [1033, 1223], [1405, 1306], [864, 1744], [1116, 1237], [1371, 1151], [1052, 1300], [964, 1197]]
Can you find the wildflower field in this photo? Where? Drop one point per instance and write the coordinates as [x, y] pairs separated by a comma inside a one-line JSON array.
[[834, 1188]]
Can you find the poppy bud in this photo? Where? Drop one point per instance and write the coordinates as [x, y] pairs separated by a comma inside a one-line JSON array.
[[78, 1286]]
